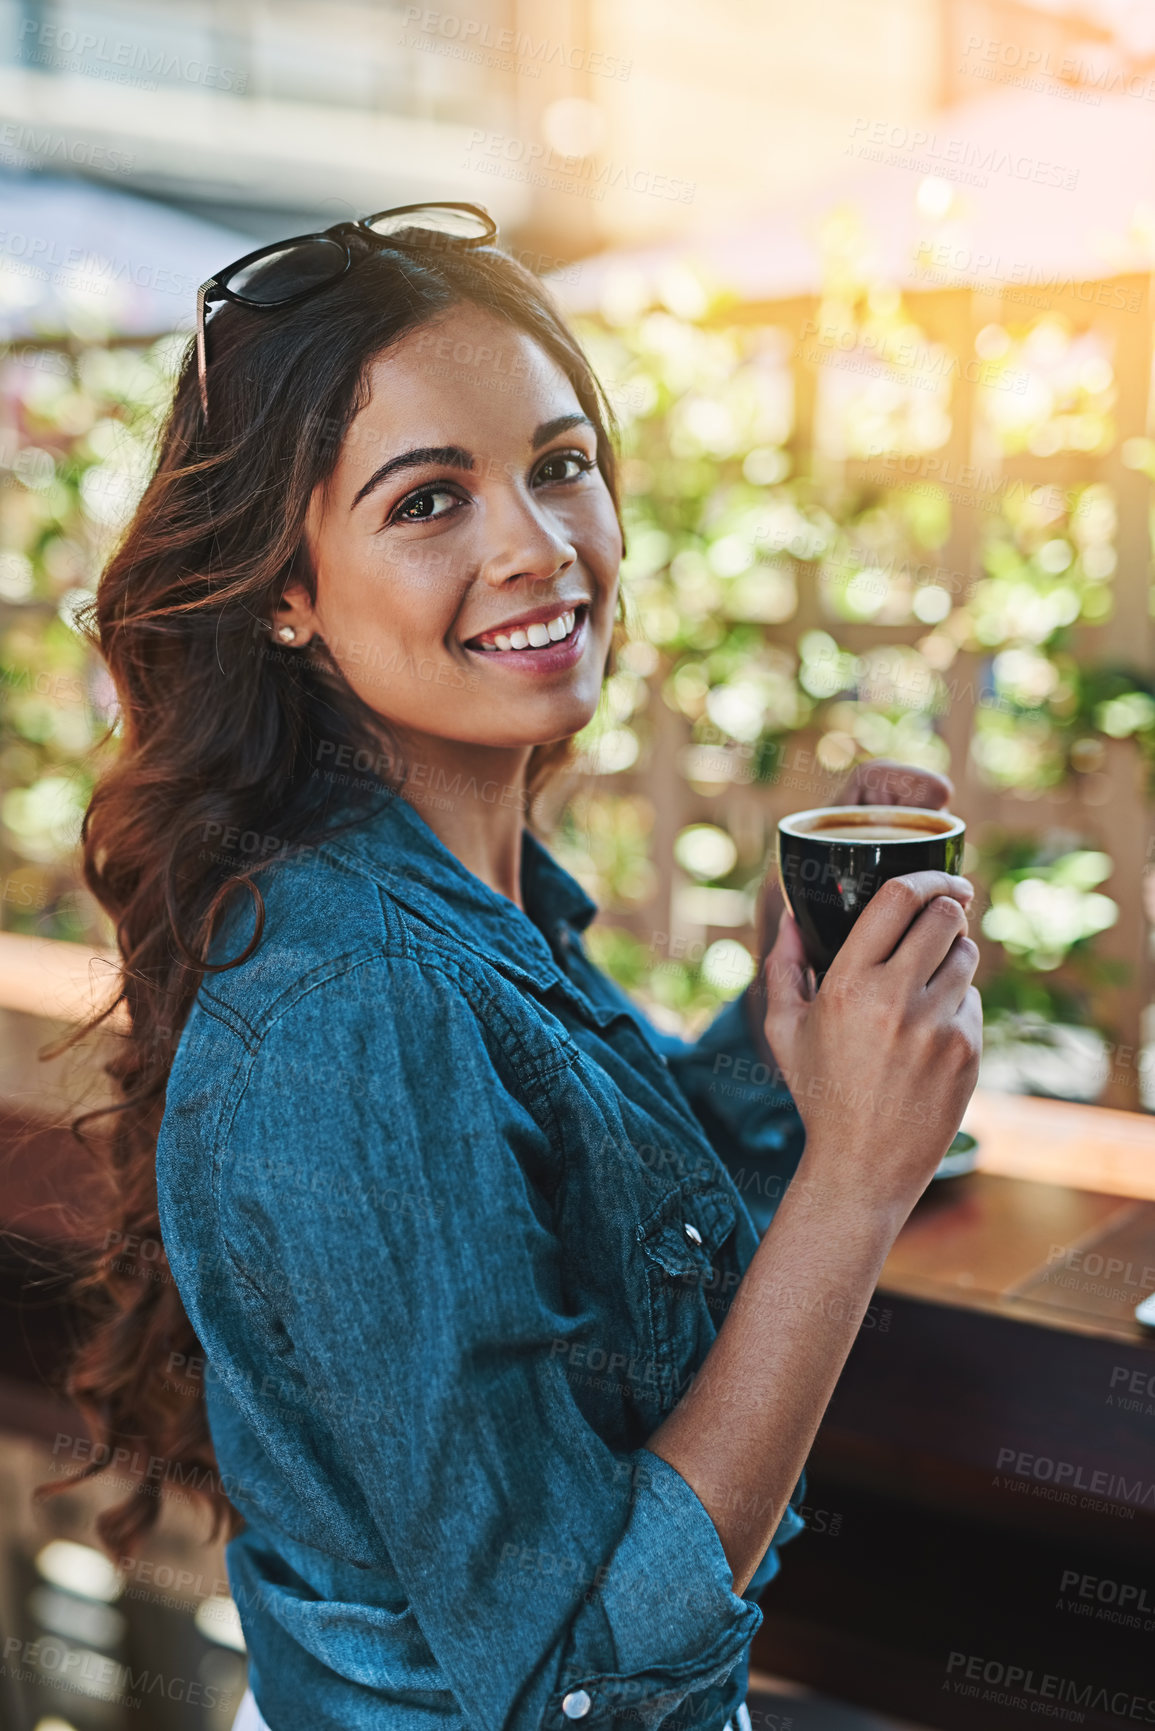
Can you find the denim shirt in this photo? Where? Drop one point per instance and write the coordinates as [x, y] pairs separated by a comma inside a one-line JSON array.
[[456, 1226]]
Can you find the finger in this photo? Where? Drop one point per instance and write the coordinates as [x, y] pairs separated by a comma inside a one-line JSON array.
[[951, 980], [928, 940], [883, 781], [785, 979], [970, 1017], [769, 913], [882, 923]]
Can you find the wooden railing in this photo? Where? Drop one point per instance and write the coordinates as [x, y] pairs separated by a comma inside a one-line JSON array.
[[55, 980]]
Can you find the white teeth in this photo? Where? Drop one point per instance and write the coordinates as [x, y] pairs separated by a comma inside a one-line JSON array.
[[534, 636]]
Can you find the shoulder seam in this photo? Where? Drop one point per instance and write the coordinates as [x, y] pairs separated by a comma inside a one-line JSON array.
[[493, 1020], [223, 1012]]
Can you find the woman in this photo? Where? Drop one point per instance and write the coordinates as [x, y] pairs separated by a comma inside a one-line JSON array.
[[509, 1404]]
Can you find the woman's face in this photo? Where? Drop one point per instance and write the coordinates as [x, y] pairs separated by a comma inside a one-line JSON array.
[[466, 551]]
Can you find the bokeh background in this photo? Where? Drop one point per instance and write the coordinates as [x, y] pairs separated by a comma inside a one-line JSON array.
[[869, 286], [869, 290]]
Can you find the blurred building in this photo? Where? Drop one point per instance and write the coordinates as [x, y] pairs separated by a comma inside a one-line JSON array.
[[581, 123]]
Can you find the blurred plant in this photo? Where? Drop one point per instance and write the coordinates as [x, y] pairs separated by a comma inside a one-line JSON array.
[[726, 533], [603, 839], [1045, 910], [79, 425], [1039, 913], [682, 994], [1046, 388]]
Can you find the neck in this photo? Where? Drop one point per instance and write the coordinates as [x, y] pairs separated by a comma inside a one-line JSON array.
[[474, 800]]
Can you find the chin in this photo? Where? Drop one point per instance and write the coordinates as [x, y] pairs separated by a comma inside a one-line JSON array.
[[567, 719], [561, 725]]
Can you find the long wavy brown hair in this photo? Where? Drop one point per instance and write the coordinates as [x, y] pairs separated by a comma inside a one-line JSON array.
[[221, 733]]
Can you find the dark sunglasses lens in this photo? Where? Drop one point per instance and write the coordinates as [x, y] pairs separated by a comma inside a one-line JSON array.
[[437, 220], [308, 264]]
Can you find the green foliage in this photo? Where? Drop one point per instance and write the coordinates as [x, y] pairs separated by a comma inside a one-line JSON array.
[[726, 535], [729, 526], [682, 993], [1046, 908], [84, 421]]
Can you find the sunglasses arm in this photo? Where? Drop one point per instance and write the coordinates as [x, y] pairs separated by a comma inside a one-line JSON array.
[[202, 364]]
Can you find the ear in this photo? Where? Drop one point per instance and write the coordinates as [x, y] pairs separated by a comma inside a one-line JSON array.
[[295, 606]]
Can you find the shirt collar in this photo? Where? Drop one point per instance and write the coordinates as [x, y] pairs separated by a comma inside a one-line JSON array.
[[422, 873]]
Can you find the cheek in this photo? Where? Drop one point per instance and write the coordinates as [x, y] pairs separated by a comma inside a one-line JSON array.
[[407, 594], [607, 563], [598, 538]]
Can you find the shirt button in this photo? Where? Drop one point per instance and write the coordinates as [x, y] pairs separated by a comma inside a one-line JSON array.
[[691, 1232], [576, 1704]]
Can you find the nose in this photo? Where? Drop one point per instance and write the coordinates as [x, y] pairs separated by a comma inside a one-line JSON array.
[[521, 541]]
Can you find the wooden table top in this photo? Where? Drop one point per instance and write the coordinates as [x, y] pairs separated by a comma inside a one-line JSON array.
[[1056, 1226], [1060, 1142]]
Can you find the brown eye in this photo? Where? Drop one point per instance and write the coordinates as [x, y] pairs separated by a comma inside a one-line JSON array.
[[554, 469], [420, 507]]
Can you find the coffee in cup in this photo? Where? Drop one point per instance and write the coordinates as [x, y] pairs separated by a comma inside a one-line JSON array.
[[833, 859]]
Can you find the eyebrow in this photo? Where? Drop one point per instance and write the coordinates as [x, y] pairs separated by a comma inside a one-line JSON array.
[[454, 457], [446, 456], [560, 424]]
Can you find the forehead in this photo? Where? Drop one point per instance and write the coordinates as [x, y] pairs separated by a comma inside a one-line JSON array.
[[465, 369]]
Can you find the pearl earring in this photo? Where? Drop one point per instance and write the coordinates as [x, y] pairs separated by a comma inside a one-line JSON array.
[[287, 634]]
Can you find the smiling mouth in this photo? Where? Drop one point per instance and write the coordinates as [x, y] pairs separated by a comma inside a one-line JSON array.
[[526, 639]]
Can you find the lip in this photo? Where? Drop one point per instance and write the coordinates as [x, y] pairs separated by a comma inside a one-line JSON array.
[[551, 657], [535, 616]]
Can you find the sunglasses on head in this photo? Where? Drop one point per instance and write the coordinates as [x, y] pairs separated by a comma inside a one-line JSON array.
[[289, 271]]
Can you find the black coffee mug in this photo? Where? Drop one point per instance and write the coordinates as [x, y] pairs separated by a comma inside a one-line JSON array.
[[833, 859]]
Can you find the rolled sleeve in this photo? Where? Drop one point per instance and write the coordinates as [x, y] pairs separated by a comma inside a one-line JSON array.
[[552, 1578], [670, 1562]]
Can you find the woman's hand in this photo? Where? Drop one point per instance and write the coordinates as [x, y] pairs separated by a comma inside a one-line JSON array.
[[883, 1059], [881, 1062], [881, 781]]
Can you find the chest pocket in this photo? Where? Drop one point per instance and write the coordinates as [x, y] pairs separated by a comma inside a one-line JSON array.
[[692, 1274]]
